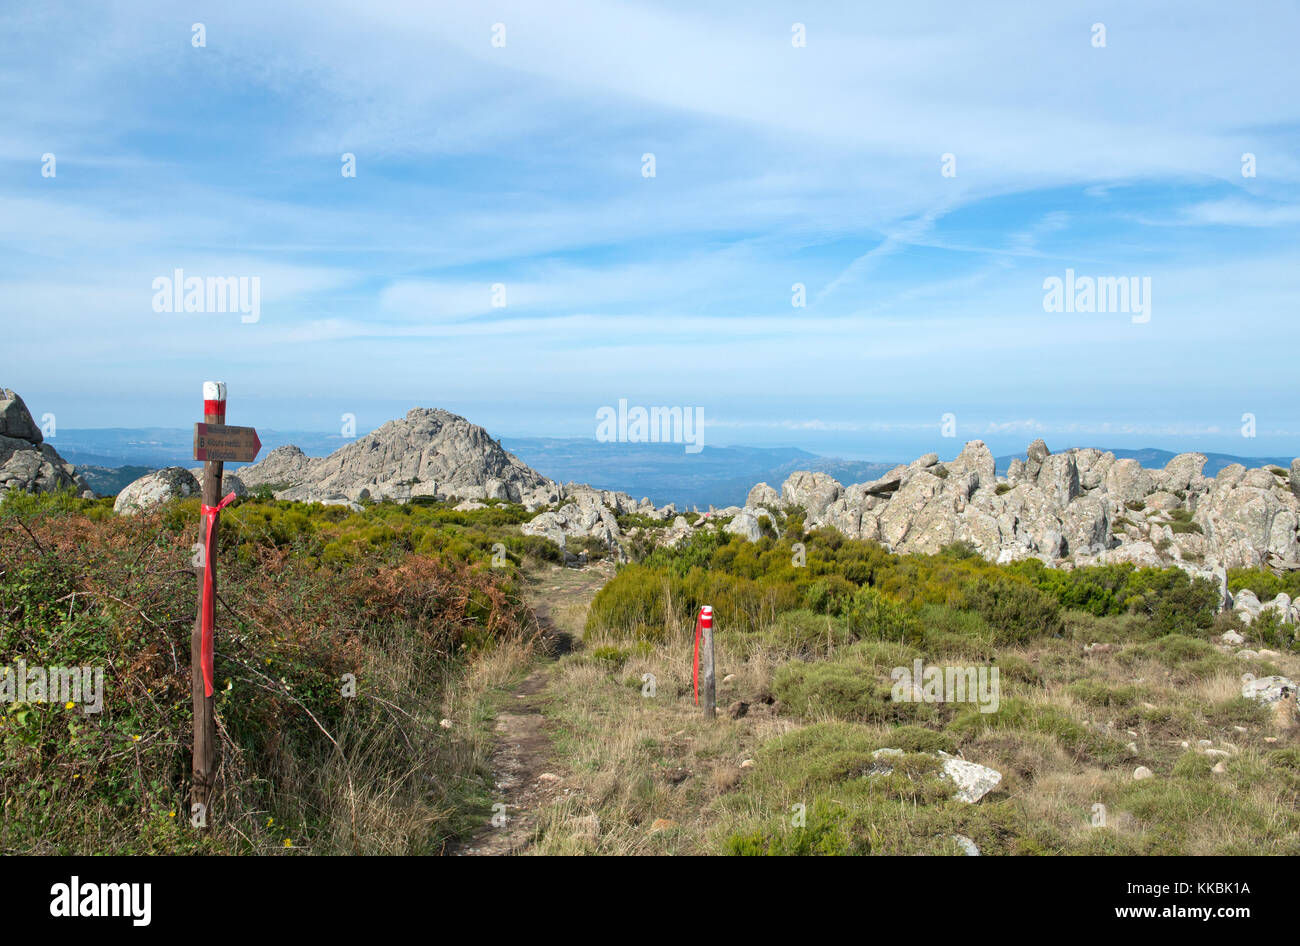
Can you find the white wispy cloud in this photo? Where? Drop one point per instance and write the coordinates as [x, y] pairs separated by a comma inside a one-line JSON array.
[[775, 165]]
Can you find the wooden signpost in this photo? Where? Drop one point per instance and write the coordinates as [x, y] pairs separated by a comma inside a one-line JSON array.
[[704, 662], [225, 444], [214, 443]]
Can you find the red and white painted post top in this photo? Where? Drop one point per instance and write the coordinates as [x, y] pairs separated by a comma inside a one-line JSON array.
[[706, 615], [214, 398]]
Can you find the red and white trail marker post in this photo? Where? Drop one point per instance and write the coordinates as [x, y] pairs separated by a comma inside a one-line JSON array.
[[704, 661], [214, 443]]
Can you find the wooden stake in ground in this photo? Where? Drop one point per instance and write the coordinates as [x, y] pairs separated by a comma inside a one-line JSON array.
[[214, 443], [205, 720], [704, 662]]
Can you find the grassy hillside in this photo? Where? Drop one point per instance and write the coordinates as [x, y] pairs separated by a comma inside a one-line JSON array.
[[1102, 671], [404, 598]]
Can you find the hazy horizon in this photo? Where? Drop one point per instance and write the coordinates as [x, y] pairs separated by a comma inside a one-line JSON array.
[[843, 447]]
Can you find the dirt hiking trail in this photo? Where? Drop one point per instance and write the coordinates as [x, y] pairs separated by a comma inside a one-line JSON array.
[[559, 597]]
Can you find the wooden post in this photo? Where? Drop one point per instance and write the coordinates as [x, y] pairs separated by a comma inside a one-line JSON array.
[[709, 688], [205, 721]]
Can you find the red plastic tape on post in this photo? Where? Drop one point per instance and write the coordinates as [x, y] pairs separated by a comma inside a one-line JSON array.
[[209, 604], [702, 620], [695, 673]]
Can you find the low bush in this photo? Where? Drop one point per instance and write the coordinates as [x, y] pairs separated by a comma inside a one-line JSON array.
[[305, 764]]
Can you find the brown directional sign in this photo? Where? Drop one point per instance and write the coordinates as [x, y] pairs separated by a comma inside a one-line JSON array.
[[225, 443]]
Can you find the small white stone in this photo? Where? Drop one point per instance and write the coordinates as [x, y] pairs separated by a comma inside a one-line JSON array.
[[973, 781], [1142, 772]]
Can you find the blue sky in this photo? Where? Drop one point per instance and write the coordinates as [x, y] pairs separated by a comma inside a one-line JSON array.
[[522, 165]]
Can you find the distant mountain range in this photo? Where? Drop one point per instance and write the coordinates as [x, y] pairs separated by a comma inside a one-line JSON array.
[[664, 472], [109, 458], [1153, 459]]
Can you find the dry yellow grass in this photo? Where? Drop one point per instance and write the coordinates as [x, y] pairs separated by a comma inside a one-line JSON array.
[[630, 760]]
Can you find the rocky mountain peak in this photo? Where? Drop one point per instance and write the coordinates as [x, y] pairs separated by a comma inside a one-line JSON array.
[[429, 452]]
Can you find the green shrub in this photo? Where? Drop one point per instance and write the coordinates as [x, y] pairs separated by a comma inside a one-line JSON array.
[[595, 548], [1096, 693], [1266, 584], [298, 753], [841, 690], [920, 739], [953, 602], [1181, 522], [1189, 656], [616, 656], [1016, 612], [872, 615], [805, 634], [1072, 735], [823, 834], [945, 630]]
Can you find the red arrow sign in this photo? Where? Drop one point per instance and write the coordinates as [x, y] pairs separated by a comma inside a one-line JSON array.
[[221, 442]]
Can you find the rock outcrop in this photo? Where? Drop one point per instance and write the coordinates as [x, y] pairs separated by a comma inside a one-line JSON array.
[[1267, 689], [575, 520], [427, 453], [1078, 507], [440, 455], [27, 463]]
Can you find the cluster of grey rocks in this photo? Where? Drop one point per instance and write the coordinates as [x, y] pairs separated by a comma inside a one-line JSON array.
[[1078, 507], [27, 462], [1081, 505]]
